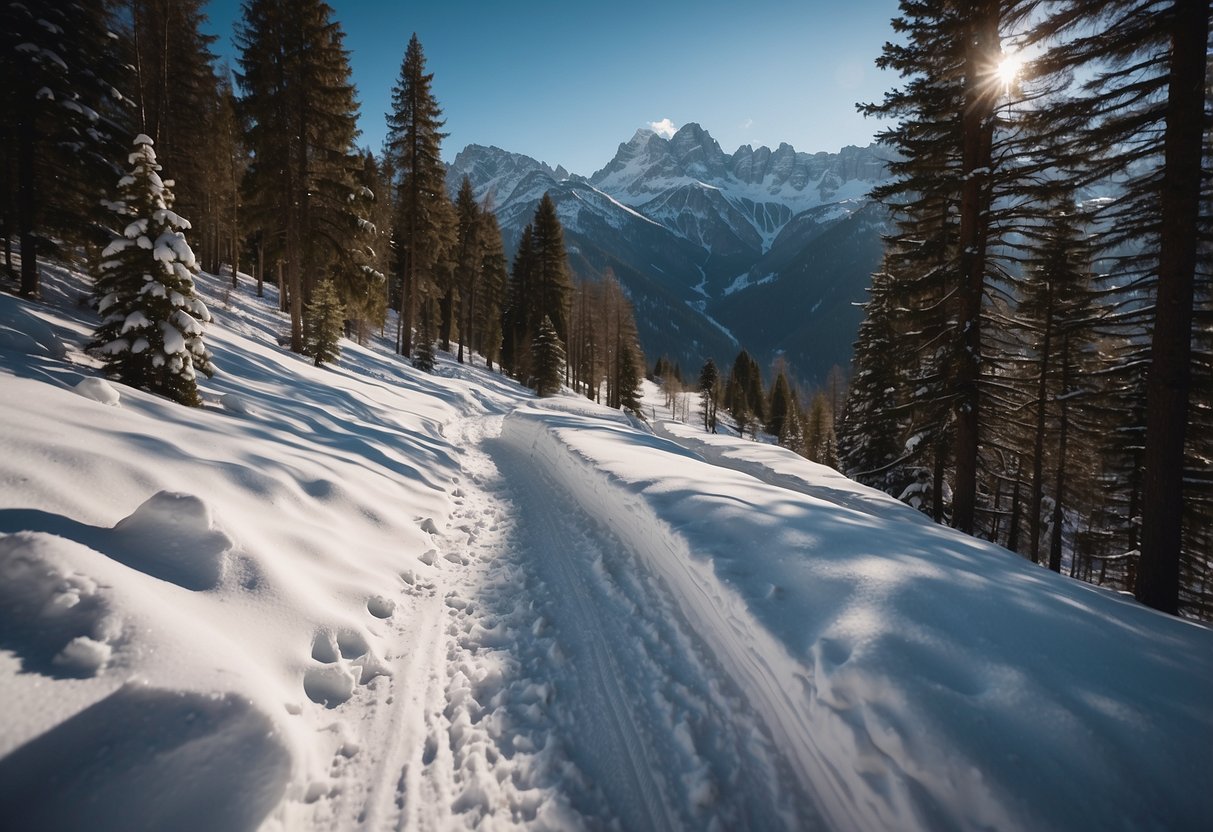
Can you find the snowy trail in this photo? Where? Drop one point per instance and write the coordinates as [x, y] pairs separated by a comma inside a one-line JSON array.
[[623, 761], [667, 736]]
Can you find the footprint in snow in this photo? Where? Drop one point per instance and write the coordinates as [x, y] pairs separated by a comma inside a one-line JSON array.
[[380, 607], [345, 660]]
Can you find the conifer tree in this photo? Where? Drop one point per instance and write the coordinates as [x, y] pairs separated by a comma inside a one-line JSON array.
[[422, 226], [65, 109], [302, 115], [819, 441], [782, 405], [423, 346], [743, 395], [326, 320], [150, 334], [871, 429], [493, 278], [469, 261], [629, 382], [709, 381], [515, 320], [547, 359], [175, 92], [1142, 115], [551, 284]]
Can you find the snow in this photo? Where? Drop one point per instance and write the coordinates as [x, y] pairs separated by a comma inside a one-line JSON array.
[[367, 597], [99, 390]]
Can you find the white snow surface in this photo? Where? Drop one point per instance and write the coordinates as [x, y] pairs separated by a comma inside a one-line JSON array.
[[361, 596]]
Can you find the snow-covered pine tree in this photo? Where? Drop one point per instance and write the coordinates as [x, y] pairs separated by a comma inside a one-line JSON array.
[[325, 322], [547, 357], [150, 333]]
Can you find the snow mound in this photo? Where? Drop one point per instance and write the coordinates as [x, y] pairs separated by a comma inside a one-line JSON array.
[[146, 758], [171, 537], [57, 621], [235, 403], [99, 390]]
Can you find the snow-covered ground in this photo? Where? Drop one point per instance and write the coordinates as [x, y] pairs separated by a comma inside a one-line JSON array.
[[367, 597]]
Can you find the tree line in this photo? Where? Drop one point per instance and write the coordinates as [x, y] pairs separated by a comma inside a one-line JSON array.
[[263, 161], [1036, 346]]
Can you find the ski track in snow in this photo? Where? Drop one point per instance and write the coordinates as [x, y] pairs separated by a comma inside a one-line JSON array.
[[527, 704]]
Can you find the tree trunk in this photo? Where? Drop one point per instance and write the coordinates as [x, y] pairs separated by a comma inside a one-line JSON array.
[[446, 310], [260, 266], [937, 483], [1038, 448], [1063, 430], [1170, 358], [977, 126], [1016, 507], [27, 197]]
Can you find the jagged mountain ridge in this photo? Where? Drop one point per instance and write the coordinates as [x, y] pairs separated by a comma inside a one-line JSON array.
[[697, 236]]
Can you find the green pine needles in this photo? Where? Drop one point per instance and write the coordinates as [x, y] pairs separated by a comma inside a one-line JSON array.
[[150, 335], [547, 357], [326, 322]]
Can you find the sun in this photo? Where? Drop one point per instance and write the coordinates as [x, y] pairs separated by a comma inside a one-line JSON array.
[[1008, 69]]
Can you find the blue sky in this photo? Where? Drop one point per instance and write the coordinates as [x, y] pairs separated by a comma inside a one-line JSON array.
[[566, 82]]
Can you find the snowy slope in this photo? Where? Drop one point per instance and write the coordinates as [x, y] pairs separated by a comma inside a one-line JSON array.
[[365, 597]]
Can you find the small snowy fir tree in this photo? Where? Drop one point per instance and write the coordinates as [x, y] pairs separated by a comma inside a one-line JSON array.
[[326, 322], [547, 357], [150, 334]]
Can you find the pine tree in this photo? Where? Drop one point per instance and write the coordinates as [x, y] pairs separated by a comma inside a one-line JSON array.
[[469, 261], [302, 115], [65, 78], [326, 321], [871, 430], [782, 405], [1143, 115], [493, 278], [175, 90], [743, 395], [629, 382], [150, 334], [363, 290], [551, 284], [423, 347], [423, 223], [547, 358], [819, 442], [515, 321], [709, 381]]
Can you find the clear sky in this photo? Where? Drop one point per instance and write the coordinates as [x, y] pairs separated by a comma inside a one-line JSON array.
[[566, 82]]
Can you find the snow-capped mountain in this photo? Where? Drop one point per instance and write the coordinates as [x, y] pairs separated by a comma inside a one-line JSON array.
[[703, 240]]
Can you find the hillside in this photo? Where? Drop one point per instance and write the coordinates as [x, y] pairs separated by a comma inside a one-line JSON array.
[[362, 596]]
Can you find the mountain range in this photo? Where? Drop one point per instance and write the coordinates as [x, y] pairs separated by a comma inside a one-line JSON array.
[[764, 249]]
